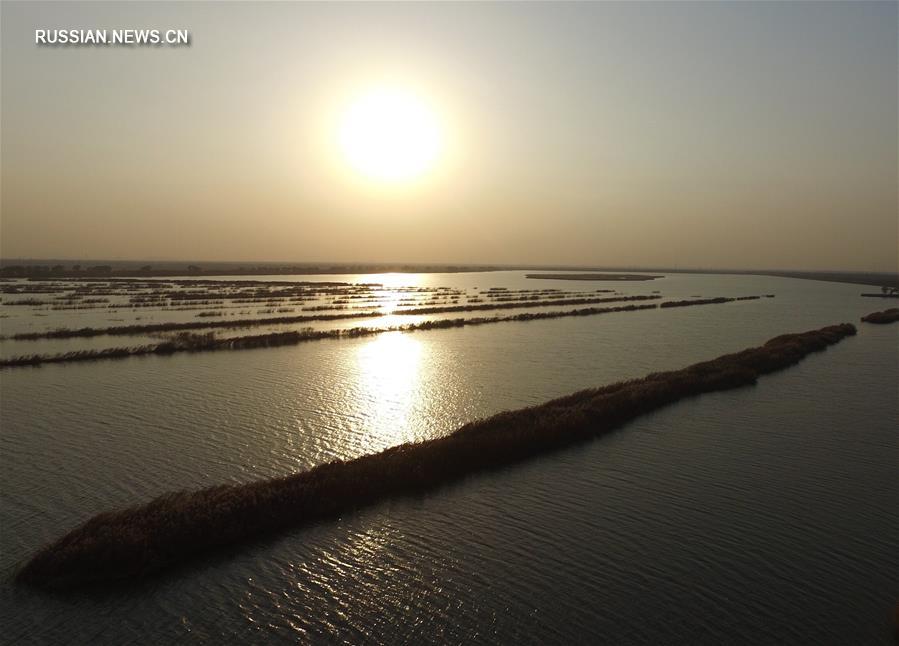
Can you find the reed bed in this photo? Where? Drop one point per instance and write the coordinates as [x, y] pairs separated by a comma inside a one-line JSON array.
[[186, 341], [708, 301], [175, 527], [150, 328], [208, 342], [594, 276], [509, 306], [881, 318]]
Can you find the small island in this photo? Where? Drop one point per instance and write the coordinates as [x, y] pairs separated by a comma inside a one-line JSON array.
[[143, 539], [881, 318], [615, 277]]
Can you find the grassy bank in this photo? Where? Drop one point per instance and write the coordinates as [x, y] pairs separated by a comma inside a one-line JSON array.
[[208, 342], [175, 527], [711, 301], [152, 328], [187, 341], [616, 277], [887, 316]]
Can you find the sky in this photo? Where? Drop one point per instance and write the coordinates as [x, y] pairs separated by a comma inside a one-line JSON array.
[[740, 135]]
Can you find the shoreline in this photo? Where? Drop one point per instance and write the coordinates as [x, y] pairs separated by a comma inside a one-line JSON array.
[[596, 277], [882, 318], [208, 342], [139, 541], [135, 329], [8, 271]]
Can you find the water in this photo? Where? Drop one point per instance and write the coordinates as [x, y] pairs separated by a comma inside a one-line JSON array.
[[761, 515]]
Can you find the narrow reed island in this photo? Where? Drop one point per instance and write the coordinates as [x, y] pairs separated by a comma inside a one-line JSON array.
[[151, 328], [141, 540], [154, 328], [887, 316], [208, 342], [607, 277], [519, 305], [712, 301], [186, 341]]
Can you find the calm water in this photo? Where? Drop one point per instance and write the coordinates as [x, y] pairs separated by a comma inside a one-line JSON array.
[[762, 515]]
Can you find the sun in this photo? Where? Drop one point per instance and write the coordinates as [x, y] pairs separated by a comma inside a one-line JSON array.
[[390, 135]]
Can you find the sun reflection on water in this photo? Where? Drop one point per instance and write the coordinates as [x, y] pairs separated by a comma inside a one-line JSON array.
[[391, 301], [389, 367], [395, 279], [393, 289]]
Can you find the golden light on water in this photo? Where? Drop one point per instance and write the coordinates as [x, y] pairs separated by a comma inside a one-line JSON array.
[[390, 135], [389, 368], [395, 279], [392, 295]]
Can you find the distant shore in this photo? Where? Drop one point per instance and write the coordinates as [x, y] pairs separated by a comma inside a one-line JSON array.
[[884, 317], [173, 270], [610, 277], [67, 269]]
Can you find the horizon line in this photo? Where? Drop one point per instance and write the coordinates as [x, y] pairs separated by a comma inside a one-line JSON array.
[[475, 266]]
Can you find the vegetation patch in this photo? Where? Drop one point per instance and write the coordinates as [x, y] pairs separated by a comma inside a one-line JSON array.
[[150, 328], [709, 301], [887, 316], [175, 527], [618, 277], [186, 341], [192, 342]]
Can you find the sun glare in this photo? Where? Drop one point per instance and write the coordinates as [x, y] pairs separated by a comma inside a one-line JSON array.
[[389, 368], [390, 135]]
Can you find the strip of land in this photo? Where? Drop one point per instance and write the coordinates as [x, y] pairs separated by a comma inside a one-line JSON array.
[[856, 278], [887, 316], [208, 342], [51, 269], [711, 301], [117, 269], [150, 328], [612, 277], [141, 540]]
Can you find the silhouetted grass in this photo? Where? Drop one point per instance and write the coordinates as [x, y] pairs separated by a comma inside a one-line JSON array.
[[617, 277], [27, 302], [150, 328], [520, 305], [174, 527], [887, 316], [182, 342], [708, 301], [699, 301], [188, 342], [208, 342]]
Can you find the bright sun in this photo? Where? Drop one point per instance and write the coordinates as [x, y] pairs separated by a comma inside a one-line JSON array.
[[390, 135]]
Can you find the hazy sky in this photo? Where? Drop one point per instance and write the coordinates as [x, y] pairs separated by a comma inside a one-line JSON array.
[[728, 135]]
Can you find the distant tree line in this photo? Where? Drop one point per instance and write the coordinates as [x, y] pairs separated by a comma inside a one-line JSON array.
[[28, 271], [31, 270]]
